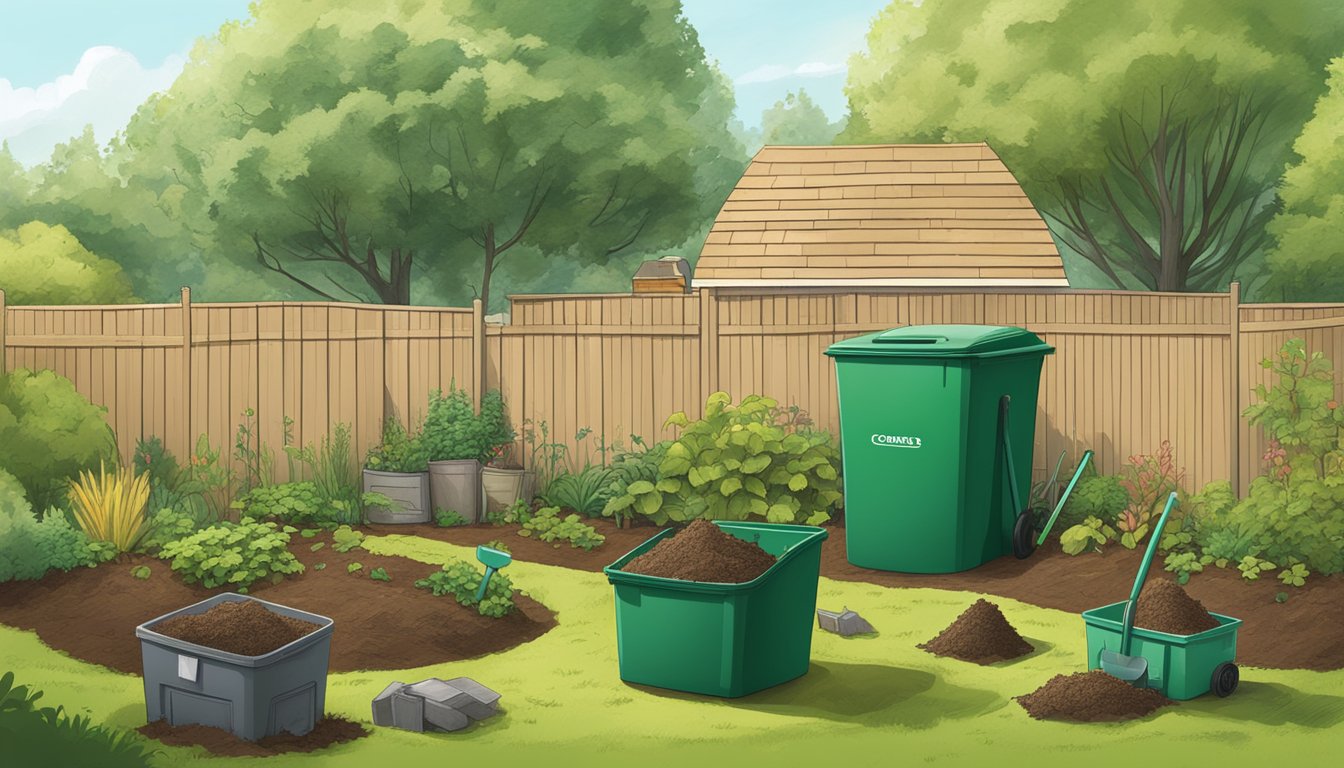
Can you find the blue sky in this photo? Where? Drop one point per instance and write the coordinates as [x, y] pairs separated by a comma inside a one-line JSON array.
[[67, 63]]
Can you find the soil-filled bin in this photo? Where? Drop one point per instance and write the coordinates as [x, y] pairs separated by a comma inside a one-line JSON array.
[[251, 696], [725, 640], [1182, 667]]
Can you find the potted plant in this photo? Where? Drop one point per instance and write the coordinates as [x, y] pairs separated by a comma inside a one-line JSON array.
[[398, 469], [504, 481], [453, 443]]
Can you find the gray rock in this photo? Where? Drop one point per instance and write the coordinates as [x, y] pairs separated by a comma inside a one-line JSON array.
[[844, 623], [382, 704], [434, 704]]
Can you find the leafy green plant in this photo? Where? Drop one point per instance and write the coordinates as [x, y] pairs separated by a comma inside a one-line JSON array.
[[379, 574], [49, 432], [584, 492], [1099, 496], [448, 518], [344, 539], [354, 567], [31, 545], [236, 554], [400, 451], [735, 464], [461, 580], [1148, 479], [549, 458], [256, 459], [141, 572], [1281, 597], [1294, 575], [1091, 534], [1251, 567], [517, 512], [33, 735], [317, 547], [296, 503], [455, 431], [548, 526], [628, 468], [1185, 563], [209, 478], [319, 566], [334, 474], [499, 545]]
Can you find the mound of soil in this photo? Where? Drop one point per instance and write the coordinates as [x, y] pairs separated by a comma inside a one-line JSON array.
[[1165, 607], [703, 552], [1091, 697], [245, 628], [980, 634], [327, 731]]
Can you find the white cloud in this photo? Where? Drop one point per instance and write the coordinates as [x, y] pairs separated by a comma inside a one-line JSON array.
[[104, 90], [772, 72]]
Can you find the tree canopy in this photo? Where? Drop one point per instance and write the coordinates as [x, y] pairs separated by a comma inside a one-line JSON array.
[[1307, 263], [797, 120], [341, 147], [1150, 133], [41, 264]]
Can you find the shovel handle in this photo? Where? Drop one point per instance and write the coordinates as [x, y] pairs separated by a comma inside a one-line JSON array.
[[485, 580], [1059, 506], [1132, 606]]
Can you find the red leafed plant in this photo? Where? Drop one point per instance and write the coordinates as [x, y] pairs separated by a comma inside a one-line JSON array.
[[1148, 479]]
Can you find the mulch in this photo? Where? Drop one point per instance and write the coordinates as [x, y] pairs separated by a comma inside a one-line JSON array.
[[703, 552], [1165, 607], [92, 613], [981, 634], [1091, 697], [327, 732], [246, 628]]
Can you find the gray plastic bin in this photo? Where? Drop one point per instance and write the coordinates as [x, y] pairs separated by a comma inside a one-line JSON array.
[[251, 696]]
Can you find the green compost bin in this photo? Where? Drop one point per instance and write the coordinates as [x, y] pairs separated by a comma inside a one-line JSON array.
[[1181, 667], [725, 640], [922, 441]]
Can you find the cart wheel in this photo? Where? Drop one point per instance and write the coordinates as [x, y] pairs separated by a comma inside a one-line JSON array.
[[1225, 679], [1024, 535]]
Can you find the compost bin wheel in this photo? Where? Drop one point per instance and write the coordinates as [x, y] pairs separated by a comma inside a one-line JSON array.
[[1225, 679], [1024, 535]]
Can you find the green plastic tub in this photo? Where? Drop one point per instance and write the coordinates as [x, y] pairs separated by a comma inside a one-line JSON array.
[[1182, 667], [725, 640]]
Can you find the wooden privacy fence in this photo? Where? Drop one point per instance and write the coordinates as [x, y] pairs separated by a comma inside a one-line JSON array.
[[1130, 369]]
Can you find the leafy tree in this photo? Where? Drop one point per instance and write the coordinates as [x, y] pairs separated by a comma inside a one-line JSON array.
[[41, 264], [340, 146], [15, 188], [797, 120], [1151, 133], [1307, 263]]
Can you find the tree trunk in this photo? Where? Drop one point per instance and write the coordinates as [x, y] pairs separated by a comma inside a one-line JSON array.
[[488, 269]]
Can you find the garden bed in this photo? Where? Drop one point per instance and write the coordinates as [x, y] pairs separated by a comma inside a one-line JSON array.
[[92, 613], [619, 541]]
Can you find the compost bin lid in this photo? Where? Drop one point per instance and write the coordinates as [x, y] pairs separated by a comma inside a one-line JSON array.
[[963, 341]]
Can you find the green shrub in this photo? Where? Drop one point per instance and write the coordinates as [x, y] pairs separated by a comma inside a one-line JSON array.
[[335, 477], [517, 512], [399, 451], [548, 526], [379, 574], [295, 503], [454, 431], [448, 518], [1252, 567], [584, 492], [39, 736], [168, 525], [29, 546], [49, 432], [737, 463], [629, 468], [236, 554], [1185, 563], [461, 580], [1294, 575], [1099, 496]]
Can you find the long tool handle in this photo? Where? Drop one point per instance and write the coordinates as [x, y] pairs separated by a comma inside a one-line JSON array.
[[1132, 607], [1078, 473], [480, 591]]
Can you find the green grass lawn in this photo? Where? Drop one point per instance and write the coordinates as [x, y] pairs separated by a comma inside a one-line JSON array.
[[866, 701]]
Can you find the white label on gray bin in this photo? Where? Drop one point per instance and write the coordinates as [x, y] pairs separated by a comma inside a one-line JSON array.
[[186, 667], [897, 441]]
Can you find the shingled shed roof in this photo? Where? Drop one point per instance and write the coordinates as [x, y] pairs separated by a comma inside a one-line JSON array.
[[872, 215]]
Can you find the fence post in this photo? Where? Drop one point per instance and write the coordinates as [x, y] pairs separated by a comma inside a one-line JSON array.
[[709, 343], [4, 361], [186, 368], [1234, 384], [477, 353]]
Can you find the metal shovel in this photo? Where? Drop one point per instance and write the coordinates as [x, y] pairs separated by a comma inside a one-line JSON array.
[[1134, 669], [493, 560]]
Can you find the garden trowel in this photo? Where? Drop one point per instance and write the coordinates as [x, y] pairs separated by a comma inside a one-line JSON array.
[[1134, 669], [493, 560]]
